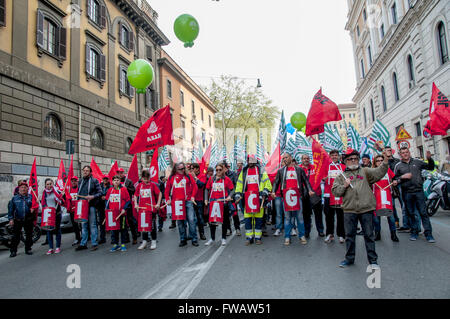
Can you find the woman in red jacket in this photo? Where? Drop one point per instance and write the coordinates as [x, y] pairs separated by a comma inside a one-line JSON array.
[[180, 195], [118, 200]]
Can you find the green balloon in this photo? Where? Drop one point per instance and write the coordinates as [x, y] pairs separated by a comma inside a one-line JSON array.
[[186, 29], [140, 75], [298, 120]]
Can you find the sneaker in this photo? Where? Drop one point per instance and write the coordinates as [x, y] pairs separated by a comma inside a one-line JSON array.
[[374, 266], [329, 239], [394, 237], [238, 232], [13, 254], [94, 248], [341, 240], [202, 237], [277, 233], [248, 242], [321, 235], [143, 245], [431, 239], [258, 242], [293, 232], [265, 234], [345, 263], [287, 241], [153, 245], [413, 237], [115, 248], [209, 242], [303, 240], [182, 244], [224, 242], [49, 252], [123, 248], [58, 250], [160, 230], [229, 232], [81, 248], [75, 243], [403, 229], [194, 243]]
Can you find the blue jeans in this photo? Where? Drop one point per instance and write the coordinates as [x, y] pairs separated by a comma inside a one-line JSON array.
[[57, 232], [288, 223], [191, 220], [92, 226], [417, 201], [280, 212], [199, 215], [377, 223]]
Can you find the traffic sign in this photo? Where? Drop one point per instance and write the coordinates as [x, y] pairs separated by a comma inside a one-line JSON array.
[[70, 147], [403, 135], [403, 144]]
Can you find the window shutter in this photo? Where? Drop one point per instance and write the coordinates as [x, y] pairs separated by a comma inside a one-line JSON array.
[[120, 79], [62, 43], [130, 89], [120, 33], [131, 42], [2, 13], [103, 16], [40, 29], [148, 97], [88, 8], [88, 49], [149, 53], [155, 102], [103, 67]]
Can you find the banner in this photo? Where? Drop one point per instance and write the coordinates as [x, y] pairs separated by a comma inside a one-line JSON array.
[[62, 178], [154, 167], [322, 110], [96, 172], [322, 162]]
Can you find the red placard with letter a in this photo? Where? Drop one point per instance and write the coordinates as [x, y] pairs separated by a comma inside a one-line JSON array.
[[216, 210]]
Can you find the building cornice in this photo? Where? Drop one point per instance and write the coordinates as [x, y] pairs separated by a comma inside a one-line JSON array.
[[400, 34], [354, 14]]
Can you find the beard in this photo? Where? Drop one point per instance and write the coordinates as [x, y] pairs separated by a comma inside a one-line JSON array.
[[353, 167]]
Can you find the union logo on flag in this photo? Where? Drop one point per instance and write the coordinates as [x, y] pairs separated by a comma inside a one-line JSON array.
[[153, 128]]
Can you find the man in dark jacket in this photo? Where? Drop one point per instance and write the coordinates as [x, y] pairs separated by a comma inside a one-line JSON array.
[[105, 185], [90, 189], [21, 215], [132, 222], [408, 173], [233, 208]]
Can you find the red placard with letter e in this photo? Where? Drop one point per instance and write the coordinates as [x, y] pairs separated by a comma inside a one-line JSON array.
[[179, 210]]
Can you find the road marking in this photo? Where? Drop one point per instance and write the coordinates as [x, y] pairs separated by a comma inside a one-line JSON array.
[[181, 283]]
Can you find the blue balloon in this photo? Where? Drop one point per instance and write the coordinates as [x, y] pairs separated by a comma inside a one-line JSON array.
[[290, 129]]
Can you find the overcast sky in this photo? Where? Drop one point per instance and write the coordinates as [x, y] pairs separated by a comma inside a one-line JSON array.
[[294, 46]]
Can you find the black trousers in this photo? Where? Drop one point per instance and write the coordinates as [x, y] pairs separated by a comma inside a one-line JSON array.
[[154, 228], [366, 221], [225, 225], [132, 223], [123, 232], [28, 226], [100, 219], [330, 211], [76, 227], [308, 210]]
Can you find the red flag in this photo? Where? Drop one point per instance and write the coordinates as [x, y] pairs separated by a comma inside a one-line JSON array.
[[133, 171], [33, 185], [113, 171], [205, 160], [62, 177], [154, 168], [439, 114], [96, 172], [274, 163], [322, 110], [321, 161], [156, 132], [68, 184]]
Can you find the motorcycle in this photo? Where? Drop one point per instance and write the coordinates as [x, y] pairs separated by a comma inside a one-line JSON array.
[[437, 188], [6, 232]]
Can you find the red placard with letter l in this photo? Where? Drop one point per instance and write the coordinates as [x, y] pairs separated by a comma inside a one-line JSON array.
[[111, 222], [144, 220], [81, 211]]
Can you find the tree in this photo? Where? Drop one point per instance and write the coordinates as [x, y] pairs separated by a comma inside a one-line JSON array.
[[240, 106]]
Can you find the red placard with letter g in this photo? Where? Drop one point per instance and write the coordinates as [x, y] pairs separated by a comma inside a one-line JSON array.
[[291, 197]]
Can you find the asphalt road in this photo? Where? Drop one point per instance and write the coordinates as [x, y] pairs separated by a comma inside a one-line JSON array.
[[408, 269]]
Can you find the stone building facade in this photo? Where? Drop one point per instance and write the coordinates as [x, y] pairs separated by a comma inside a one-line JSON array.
[[63, 77], [400, 48]]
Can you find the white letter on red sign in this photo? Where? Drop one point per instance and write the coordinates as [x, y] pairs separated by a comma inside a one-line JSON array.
[[251, 203], [46, 214], [291, 198], [144, 224], [215, 210], [179, 208], [111, 220]]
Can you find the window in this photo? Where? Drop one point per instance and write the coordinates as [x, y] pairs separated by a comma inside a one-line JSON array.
[[418, 129], [395, 82], [193, 136], [2, 13], [124, 86], [126, 38], [182, 98], [372, 110], [365, 116], [357, 30], [50, 37], [98, 140], [209, 118], [183, 127], [201, 113], [52, 127], [420, 150], [410, 69], [394, 13], [369, 53], [343, 116], [383, 98], [151, 99], [169, 89], [193, 107], [382, 31], [363, 73], [149, 51], [203, 138], [398, 128], [128, 144], [364, 15], [442, 43], [96, 12], [95, 63]]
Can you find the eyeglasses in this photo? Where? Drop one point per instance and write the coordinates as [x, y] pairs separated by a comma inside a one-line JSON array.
[[379, 161], [219, 170], [353, 159], [180, 168]]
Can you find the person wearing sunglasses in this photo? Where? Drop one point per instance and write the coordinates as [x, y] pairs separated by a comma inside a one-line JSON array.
[[182, 187], [358, 203], [383, 195]]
